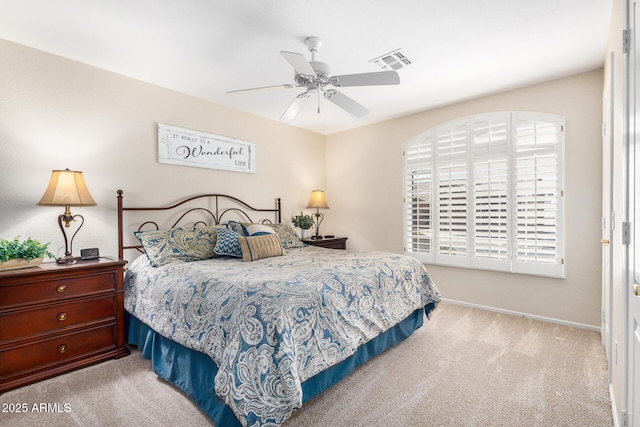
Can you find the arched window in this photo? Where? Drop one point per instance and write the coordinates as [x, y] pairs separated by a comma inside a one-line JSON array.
[[486, 191]]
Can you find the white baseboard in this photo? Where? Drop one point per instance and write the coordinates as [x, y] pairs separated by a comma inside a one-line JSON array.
[[529, 316]]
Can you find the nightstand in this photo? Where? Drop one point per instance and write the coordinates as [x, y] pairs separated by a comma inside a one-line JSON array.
[[330, 242], [58, 318]]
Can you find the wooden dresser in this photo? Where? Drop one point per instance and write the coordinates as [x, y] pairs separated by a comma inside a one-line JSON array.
[[57, 318]]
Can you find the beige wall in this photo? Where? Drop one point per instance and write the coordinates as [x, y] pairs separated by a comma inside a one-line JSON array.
[[56, 113], [364, 190]]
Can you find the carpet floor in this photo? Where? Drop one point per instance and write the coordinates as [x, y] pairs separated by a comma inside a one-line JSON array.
[[465, 367]]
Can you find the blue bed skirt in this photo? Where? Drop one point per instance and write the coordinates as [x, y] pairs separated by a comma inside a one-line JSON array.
[[193, 372]]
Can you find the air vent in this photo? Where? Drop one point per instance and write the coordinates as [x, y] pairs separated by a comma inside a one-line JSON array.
[[393, 60]]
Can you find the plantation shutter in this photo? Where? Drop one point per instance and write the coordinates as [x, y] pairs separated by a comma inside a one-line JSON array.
[[418, 181], [538, 152], [486, 192], [452, 194], [491, 191]]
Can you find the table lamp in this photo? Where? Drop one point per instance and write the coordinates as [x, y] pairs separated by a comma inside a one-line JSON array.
[[318, 201], [67, 188]]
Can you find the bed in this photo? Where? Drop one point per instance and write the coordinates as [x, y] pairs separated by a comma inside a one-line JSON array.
[[247, 320]]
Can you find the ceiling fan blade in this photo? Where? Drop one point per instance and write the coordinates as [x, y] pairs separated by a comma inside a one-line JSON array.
[[299, 63], [285, 86], [366, 79], [295, 107], [346, 103]]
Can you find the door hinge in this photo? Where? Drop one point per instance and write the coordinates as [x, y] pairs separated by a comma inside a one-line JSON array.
[[624, 418], [625, 41], [626, 233]]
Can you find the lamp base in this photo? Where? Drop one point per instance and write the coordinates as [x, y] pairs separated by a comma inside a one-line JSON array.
[[68, 259]]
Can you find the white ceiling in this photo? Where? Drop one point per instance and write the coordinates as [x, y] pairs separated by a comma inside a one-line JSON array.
[[460, 49]]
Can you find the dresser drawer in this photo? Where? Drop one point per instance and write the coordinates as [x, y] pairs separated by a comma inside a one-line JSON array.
[[65, 287], [58, 349], [43, 320]]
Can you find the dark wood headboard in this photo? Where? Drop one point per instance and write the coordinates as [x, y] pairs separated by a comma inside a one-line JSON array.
[[218, 206]]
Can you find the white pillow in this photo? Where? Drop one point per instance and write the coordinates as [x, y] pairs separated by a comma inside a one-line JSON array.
[[258, 229]]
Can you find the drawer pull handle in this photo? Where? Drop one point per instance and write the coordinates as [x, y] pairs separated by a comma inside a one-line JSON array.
[[62, 316], [61, 288], [62, 349]]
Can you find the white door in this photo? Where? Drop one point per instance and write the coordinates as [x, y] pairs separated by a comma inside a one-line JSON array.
[[607, 207], [631, 294], [633, 285]]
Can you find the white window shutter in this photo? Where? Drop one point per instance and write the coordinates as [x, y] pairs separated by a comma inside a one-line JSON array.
[[452, 179], [538, 191], [418, 198], [452, 215], [491, 214], [486, 192], [491, 202]]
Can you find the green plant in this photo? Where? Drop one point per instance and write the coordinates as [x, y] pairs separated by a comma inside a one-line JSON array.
[[302, 221], [27, 249]]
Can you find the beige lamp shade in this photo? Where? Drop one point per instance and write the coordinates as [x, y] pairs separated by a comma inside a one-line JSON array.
[[66, 188], [318, 200]]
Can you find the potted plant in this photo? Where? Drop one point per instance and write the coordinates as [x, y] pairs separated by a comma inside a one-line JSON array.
[[28, 253], [303, 222]]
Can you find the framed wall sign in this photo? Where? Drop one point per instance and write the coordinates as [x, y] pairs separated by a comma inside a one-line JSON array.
[[180, 146]]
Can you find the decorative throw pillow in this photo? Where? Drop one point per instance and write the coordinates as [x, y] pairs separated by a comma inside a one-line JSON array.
[[177, 244], [227, 243], [258, 229], [258, 247], [213, 230], [236, 226], [288, 236]]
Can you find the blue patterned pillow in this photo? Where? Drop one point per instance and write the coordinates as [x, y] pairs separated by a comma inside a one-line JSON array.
[[227, 243], [237, 227], [177, 244], [288, 236]]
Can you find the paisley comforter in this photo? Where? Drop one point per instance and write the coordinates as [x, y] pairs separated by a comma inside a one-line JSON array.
[[271, 324]]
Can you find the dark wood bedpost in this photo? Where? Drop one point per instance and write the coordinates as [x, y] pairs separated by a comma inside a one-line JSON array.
[[279, 210], [120, 242]]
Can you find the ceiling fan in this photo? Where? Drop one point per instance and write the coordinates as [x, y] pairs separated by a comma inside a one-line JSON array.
[[315, 76]]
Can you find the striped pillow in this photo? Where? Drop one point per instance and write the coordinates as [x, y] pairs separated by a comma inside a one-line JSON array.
[[258, 247]]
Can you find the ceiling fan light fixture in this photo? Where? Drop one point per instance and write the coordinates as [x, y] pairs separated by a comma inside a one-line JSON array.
[[295, 107], [314, 76]]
